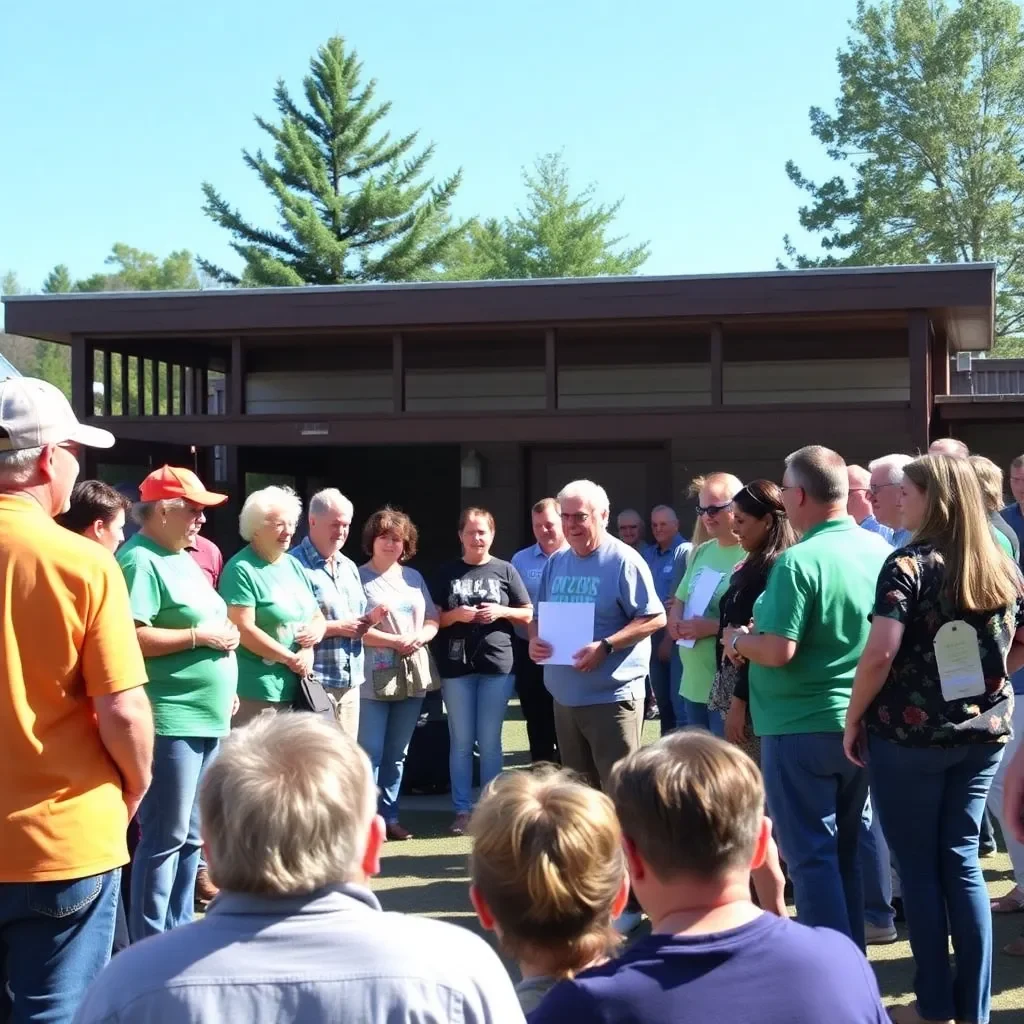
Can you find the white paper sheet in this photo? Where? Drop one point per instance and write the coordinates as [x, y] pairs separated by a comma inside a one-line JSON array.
[[567, 626], [704, 586]]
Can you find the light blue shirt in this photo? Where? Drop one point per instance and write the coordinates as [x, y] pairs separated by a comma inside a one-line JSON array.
[[872, 525], [529, 563], [332, 955], [618, 582], [663, 564]]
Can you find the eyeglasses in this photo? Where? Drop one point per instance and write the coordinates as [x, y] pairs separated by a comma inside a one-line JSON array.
[[579, 518], [877, 488], [713, 510], [193, 511]]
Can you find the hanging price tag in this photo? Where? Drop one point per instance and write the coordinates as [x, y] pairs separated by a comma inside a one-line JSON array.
[[958, 659]]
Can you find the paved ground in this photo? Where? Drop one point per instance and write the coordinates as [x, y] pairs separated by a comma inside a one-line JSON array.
[[428, 875]]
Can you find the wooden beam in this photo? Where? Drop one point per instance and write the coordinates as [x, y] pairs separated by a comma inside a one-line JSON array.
[[125, 392], [182, 389], [919, 328], [550, 369], [202, 391], [716, 364], [81, 376], [154, 387], [169, 387], [940, 364], [236, 378], [108, 384], [397, 373]]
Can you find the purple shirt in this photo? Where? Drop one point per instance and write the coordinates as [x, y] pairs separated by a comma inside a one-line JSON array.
[[770, 970]]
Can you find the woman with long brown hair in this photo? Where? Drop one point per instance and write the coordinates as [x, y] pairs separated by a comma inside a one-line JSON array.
[[929, 714]]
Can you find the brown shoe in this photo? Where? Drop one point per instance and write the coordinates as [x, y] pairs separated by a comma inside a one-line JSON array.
[[460, 824], [1009, 903], [397, 832], [205, 889], [908, 1015]]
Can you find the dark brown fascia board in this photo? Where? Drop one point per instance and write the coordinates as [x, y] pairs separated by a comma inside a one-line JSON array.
[[965, 287]]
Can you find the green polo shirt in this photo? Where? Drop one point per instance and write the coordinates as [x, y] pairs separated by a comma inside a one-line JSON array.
[[820, 593]]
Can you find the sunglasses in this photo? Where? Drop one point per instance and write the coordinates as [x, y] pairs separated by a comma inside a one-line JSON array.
[[713, 510]]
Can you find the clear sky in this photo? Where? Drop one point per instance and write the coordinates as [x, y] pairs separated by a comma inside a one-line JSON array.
[[114, 113]]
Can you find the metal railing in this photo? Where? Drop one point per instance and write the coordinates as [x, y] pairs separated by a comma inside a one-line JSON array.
[[988, 377]]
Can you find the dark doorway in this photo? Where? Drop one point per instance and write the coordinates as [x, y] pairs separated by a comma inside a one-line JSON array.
[[420, 480]]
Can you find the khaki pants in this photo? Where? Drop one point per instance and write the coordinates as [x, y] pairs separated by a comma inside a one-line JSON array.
[[346, 710], [592, 738], [250, 709]]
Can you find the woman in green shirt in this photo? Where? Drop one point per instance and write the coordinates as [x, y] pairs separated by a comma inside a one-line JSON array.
[[271, 601], [189, 646], [716, 558]]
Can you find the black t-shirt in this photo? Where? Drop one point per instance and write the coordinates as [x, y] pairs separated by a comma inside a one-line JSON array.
[[464, 648]]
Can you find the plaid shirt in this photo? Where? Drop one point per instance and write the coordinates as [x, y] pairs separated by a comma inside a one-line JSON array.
[[338, 660]]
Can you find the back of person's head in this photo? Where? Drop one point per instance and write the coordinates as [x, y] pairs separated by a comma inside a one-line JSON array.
[[699, 535], [690, 805], [287, 807], [92, 501], [949, 446], [978, 575], [762, 499], [990, 479], [820, 473], [547, 866]]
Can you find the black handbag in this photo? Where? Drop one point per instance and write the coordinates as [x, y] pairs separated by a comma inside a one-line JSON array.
[[314, 698]]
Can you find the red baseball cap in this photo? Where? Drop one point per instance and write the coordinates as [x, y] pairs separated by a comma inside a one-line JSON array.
[[175, 482]]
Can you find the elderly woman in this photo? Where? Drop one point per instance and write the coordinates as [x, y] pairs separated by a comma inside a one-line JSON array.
[[271, 601], [189, 645], [481, 598], [388, 711]]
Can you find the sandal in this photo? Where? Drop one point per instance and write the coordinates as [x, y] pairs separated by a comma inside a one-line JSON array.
[[1009, 903], [460, 824]]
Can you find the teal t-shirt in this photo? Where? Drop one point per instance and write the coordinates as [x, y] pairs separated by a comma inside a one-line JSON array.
[[191, 691], [699, 663], [283, 600], [820, 593]]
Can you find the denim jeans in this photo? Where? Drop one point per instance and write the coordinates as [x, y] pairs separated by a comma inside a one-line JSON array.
[[57, 937], [476, 712], [700, 716], [876, 870], [167, 857], [661, 673], [816, 800], [385, 731], [931, 800], [995, 795]]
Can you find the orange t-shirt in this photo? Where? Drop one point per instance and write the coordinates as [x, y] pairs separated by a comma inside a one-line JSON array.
[[67, 636]]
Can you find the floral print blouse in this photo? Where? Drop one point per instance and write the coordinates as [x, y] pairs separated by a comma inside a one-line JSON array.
[[910, 709]]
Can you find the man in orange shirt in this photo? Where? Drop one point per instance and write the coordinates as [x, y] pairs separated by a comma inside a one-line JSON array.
[[76, 730]]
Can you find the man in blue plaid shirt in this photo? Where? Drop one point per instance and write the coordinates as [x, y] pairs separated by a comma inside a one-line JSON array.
[[338, 658]]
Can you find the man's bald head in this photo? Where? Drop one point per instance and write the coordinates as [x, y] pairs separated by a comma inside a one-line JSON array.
[[858, 501]]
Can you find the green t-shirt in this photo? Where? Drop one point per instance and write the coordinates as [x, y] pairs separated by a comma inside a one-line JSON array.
[[1004, 542], [283, 599], [699, 660], [191, 691], [820, 593]]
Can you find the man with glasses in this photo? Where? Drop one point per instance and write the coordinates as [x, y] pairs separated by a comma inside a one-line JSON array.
[[858, 504], [75, 723], [885, 481]]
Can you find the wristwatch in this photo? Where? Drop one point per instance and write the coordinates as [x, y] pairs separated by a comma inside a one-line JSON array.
[[608, 649], [732, 643]]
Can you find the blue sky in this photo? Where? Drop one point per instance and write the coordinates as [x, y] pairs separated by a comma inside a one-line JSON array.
[[115, 113]]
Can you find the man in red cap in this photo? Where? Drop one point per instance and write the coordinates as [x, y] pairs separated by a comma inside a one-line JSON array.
[[75, 724]]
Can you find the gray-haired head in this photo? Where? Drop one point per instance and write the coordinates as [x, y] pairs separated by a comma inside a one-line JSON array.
[[820, 473], [889, 468], [330, 499]]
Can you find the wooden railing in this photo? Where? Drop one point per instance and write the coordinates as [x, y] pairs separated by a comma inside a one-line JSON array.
[[988, 377]]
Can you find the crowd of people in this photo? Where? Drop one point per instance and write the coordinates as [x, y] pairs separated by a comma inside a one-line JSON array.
[[832, 661]]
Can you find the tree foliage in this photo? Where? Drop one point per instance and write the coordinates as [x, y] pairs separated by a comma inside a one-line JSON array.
[[58, 280], [929, 128], [353, 203], [134, 270], [556, 234]]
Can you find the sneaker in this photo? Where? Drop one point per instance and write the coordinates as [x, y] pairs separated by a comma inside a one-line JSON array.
[[205, 889], [876, 935], [628, 921], [651, 712], [460, 824]]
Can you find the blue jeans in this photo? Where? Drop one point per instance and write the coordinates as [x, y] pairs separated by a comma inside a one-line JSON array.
[[700, 716], [476, 713], [385, 731], [167, 857], [57, 937], [876, 870], [661, 675], [816, 801], [931, 801]]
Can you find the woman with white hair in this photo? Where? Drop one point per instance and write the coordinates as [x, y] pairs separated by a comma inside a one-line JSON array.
[[189, 644], [271, 601]]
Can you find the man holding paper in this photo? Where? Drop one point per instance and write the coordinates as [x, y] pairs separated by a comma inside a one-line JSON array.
[[596, 610]]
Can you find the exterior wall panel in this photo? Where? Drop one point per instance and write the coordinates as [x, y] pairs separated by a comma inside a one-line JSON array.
[[816, 380]]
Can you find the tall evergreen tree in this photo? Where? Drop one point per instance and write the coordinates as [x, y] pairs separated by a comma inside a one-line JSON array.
[[353, 203], [557, 234], [58, 280], [929, 132]]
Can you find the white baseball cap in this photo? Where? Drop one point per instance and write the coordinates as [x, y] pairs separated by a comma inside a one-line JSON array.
[[34, 413]]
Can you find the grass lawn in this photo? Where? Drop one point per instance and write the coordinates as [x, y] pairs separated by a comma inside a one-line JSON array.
[[428, 875]]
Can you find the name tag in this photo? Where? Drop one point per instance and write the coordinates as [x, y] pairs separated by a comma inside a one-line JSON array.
[[958, 659], [668, 568]]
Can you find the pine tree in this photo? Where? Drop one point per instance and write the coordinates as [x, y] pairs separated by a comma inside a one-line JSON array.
[[353, 203], [58, 280]]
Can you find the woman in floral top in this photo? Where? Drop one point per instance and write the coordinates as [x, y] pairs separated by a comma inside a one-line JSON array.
[[932, 740]]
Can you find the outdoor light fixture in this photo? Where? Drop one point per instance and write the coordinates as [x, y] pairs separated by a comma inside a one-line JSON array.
[[472, 470]]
